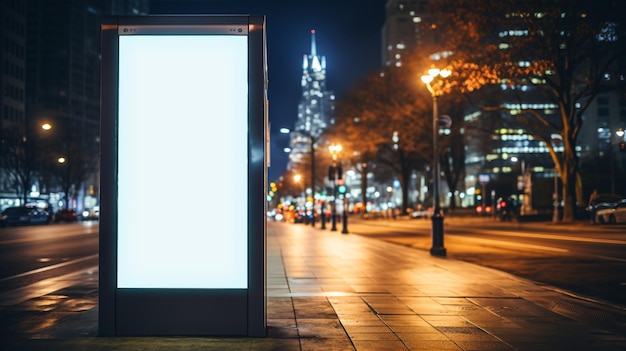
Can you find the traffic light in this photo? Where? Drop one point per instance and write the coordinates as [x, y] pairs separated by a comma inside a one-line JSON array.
[[622, 147], [335, 171], [341, 186]]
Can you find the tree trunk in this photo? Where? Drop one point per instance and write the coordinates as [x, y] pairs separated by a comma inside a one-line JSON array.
[[364, 188], [404, 183], [568, 179]]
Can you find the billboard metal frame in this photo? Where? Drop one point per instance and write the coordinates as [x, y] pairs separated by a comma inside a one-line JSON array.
[[173, 311]]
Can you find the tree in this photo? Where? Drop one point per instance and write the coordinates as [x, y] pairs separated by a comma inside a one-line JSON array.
[[18, 161], [385, 118], [565, 51], [320, 167], [67, 158]]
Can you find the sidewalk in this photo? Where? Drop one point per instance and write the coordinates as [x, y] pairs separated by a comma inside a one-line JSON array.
[[328, 291]]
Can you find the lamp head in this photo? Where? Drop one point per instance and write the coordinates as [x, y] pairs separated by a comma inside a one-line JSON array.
[[445, 73], [427, 78]]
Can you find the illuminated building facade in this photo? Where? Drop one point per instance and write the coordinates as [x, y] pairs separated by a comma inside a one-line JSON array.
[[13, 93], [316, 106], [51, 72], [510, 152], [402, 32]]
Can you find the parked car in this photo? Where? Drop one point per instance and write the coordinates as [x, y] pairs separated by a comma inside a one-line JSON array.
[[612, 214], [603, 201], [91, 214], [23, 216], [484, 210], [300, 216], [65, 215], [422, 213]]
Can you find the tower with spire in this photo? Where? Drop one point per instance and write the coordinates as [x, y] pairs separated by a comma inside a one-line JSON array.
[[316, 107]]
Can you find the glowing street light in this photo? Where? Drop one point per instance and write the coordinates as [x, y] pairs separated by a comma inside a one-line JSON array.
[[334, 150], [437, 248], [46, 126]]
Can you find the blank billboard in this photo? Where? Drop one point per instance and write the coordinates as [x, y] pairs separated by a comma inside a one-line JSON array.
[[183, 160]]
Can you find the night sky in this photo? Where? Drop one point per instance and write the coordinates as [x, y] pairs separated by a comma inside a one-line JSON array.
[[347, 33]]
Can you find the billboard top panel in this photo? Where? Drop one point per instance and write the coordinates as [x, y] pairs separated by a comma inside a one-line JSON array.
[[183, 24], [182, 29]]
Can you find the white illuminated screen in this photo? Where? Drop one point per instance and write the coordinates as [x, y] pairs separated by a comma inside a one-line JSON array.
[[183, 162]]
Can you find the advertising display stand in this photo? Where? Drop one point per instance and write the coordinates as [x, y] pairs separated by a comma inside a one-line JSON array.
[[183, 176]]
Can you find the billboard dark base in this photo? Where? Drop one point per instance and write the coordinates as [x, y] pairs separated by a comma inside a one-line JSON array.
[[181, 312]]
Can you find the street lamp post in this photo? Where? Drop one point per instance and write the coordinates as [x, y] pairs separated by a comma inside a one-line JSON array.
[[312, 140], [333, 174], [298, 178], [437, 248], [344, 223], [323, 215]]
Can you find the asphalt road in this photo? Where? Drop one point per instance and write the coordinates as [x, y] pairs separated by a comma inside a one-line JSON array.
[[35, 253], [587, 260]]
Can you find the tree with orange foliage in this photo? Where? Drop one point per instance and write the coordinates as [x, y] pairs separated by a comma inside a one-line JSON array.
[[564, 51]]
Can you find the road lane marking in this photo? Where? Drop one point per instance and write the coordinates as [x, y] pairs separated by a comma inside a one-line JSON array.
[[494, 242], [47, 268], [555, 237], [51, 237], [515, 244]]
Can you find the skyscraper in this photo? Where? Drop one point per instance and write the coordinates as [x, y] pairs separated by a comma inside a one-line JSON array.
[[12, 59], [316, 107], [51, 74], [511, 150], [402, 32]]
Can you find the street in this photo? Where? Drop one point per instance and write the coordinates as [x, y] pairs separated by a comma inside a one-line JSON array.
[[589, 260], [48, 274], [34, 253], [50, 288], [585, 259]]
